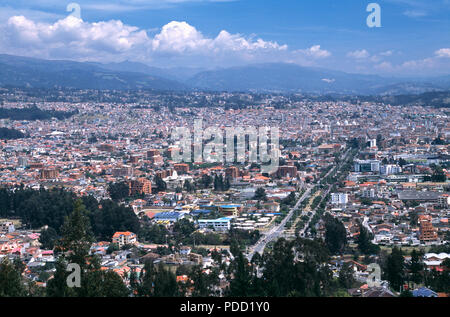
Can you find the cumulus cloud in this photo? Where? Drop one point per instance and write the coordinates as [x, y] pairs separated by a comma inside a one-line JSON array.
[[180, 37], [71, 37], [74, 38], [315, 52], [419, 64], [359, 54], [443, 52], [387, 53], [384, 66]]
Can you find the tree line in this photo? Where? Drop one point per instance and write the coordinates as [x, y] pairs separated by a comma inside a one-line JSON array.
[[39, 208]]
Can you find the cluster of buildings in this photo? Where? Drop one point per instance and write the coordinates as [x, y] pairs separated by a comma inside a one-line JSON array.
[[391, 188]]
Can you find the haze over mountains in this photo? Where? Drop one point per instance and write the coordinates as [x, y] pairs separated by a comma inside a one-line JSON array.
[[275, 77]]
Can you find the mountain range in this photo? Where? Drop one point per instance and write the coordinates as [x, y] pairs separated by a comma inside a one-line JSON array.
[[19, 71]]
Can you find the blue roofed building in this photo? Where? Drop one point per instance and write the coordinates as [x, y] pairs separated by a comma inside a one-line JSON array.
[[200, 212], [221, 224], [424, 292], [170, 217]]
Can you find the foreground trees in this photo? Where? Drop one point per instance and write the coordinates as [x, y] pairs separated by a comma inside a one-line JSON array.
[[74, 248], [335, 235], [11, 283], [395, 269], [38, 208], [291, 268], [365, 246], [155, 282]]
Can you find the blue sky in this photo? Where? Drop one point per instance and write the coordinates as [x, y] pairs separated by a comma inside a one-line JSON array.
[[414, 39]]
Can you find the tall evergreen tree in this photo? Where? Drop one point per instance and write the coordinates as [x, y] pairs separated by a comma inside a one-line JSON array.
[[260, 194], [76, 236], [395, 266], [364, 241], [11, 284], [335, 234], [416, 267], [240, 284]]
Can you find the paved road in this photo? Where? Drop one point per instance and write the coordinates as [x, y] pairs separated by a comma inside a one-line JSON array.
[[302, 231], [276, 231]]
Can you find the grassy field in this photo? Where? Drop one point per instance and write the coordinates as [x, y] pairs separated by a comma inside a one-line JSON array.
[[406, 249]]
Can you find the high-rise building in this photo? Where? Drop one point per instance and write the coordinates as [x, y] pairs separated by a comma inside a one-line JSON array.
[[139, 186], [364, 166], [122, 171], [152, 153], [49, 174], [339, 198], [287, 171], [427, 231], [22, 161], [181, 168], [232, 172]]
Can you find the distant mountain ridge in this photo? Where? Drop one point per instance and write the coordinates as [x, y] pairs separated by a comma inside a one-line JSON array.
[[295, 78], [270, 77], [39, 73]]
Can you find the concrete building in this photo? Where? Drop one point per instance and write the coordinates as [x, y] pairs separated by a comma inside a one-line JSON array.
[[339, 198], [139, 186], [365, 166], [427, 231], [124, 238], [222, 224]]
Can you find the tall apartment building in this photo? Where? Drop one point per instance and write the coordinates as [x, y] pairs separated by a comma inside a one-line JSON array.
[[106, 148], [152, 153], [22, 161], [156, 160], [287, 171], [139, 186], [182, 168], [364, 166], [49, 174], [134, 159], [232, 172], [390, 169], [339, 198], [427, 231], [122, 171]]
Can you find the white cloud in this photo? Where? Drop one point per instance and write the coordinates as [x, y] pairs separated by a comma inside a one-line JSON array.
[[418, 64], [387, 53], [180, 37], [71, 37], [112, 40], [384, 66], [443, 52], [315, 52], [359, 54]]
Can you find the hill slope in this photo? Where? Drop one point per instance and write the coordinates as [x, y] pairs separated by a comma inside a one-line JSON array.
[[294, 78], [30, 72]]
